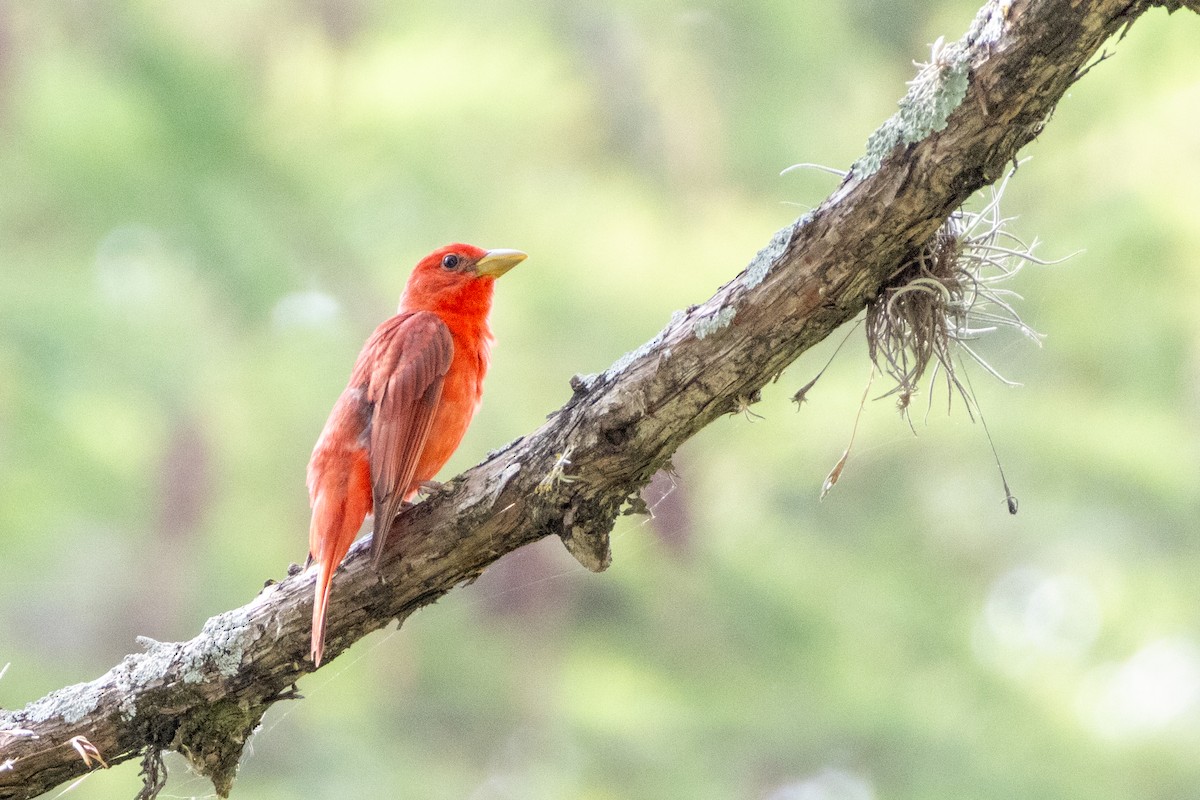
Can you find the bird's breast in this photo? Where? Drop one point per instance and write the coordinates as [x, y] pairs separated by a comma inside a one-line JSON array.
[[461, 393]]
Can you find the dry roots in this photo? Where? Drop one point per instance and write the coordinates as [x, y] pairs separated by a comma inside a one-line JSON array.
[[945, 296]]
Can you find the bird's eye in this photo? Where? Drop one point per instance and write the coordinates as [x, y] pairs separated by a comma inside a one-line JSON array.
[[450, 261]]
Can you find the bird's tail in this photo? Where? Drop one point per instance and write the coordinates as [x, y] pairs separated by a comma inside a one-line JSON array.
[[321, 607], [340, 501], [330, 534]]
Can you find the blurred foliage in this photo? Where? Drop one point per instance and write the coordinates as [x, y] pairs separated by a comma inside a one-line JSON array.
[[205, 209]]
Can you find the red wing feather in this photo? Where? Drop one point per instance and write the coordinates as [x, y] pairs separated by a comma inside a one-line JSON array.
[[412, 353]]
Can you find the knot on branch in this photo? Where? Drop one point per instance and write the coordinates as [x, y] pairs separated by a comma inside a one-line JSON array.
[[212, 737], [584, 532]]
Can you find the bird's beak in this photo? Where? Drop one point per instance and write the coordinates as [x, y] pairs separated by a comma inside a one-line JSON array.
[[497, 262]]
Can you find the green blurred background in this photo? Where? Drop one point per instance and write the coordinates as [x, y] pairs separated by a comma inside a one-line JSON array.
[[205, 208]]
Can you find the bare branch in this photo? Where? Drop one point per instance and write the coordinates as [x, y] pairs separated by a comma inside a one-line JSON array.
[[966, 115]]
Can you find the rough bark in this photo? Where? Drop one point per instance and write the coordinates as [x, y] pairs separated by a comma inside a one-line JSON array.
[[959, 128]]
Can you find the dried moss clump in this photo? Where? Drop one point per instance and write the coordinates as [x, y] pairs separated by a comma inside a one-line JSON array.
[[947, 295]]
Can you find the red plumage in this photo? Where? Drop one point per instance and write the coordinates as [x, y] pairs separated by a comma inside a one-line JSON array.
[[412, 394]]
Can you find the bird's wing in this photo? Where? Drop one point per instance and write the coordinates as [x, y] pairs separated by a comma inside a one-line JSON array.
[[409, 357]]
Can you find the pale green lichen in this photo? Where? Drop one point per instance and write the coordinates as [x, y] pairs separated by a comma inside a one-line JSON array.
[[989, 23], [150, 667], [221, 648], [71, 703], [711, 324], [144, 671], [933, 94], [622, 363], [226, 642], [757, 271]]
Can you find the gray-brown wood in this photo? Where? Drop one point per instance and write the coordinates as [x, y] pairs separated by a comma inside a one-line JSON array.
[[959, 128]]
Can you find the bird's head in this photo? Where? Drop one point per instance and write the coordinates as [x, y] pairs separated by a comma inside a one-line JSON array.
[[457, 279]]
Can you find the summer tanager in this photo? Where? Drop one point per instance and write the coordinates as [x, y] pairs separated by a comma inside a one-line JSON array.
[[414, 388]]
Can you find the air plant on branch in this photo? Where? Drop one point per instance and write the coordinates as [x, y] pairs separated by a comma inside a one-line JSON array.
[[945, 297]]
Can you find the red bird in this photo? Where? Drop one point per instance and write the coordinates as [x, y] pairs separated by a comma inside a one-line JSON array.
[[412, 394]]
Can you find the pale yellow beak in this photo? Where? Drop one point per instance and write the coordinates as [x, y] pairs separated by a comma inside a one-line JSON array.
[[497, 262]]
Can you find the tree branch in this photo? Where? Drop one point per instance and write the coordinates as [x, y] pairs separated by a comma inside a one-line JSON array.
[[962, 123]]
